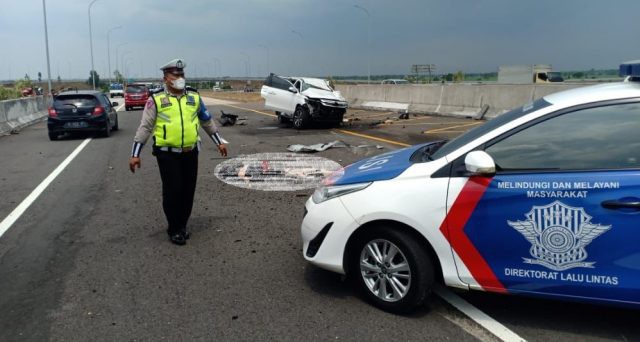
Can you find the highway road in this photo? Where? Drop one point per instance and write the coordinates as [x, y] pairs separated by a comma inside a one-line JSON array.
[[89, 259]]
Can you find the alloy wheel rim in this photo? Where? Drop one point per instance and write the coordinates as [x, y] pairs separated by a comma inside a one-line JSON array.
[[385, 270]]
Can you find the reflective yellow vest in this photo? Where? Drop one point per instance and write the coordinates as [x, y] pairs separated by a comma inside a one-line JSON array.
[[177, 120]]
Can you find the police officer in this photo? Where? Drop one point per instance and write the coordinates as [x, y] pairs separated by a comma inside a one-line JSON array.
[[173, 117]]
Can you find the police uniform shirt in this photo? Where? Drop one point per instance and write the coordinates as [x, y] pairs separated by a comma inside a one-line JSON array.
[[148, 122]]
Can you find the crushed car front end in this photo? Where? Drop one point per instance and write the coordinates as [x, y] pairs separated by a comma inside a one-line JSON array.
[[326, 110]]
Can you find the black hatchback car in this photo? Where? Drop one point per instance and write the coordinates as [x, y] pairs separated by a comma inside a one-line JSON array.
[[82, 111]]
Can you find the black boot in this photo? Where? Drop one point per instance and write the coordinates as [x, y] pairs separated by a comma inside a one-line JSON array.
[[178, 239]]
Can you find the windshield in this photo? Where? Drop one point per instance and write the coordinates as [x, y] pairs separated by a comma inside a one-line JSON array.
[[489, 126], [315, 84], [134, 89], [74, 101], [306, 86], [116, 87]]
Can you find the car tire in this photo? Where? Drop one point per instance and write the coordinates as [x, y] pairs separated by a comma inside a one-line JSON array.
[[409, 268], [115, 126], [127, 108], [338, 122], [107, 130], [53, 136], [301, 117]]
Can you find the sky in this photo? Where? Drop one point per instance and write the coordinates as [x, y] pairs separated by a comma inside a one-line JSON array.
[[314, 37]]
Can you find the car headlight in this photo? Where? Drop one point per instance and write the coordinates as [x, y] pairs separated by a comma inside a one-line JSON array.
[[324, 193]]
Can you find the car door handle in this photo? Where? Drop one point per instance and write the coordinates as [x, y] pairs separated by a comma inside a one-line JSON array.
[[612, 204]]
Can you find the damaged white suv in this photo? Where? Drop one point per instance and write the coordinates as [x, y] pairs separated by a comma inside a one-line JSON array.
[[302, 100]]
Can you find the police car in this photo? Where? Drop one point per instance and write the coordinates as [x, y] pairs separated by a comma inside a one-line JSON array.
[[543, 200]]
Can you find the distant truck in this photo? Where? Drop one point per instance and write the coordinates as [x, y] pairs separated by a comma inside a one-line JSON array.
[[527, 74], [116, 89]]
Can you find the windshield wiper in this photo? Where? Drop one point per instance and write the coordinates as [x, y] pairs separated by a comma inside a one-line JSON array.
[[431, 149], [424, 153]]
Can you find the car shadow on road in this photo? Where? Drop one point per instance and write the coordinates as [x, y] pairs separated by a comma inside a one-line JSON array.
[[327, 283], [335, 285], [82, 135]]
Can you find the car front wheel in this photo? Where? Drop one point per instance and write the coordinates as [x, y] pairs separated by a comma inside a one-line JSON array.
[[301, 117], [391, 269]]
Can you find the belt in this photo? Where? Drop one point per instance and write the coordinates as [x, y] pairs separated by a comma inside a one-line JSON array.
[[176, 149]]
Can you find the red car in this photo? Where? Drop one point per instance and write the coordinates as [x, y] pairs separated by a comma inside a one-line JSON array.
[[135, 96]]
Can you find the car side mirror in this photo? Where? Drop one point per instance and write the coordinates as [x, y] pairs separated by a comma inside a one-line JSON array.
[[293, 89], [479, 163], [114, 104]]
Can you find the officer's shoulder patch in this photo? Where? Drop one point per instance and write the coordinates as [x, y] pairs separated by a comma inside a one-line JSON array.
[[150, 103]]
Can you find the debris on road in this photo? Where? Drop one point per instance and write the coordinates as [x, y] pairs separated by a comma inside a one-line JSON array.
[[231, 119], [276, 171], [480, 114], [316, 147], [323, 147]]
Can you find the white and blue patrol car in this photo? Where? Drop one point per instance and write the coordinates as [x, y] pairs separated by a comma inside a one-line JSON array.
[[543, 200]]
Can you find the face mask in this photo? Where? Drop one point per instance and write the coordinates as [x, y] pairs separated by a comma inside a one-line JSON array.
[[178, 83]]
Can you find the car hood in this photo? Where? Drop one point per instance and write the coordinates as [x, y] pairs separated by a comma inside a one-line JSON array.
[[382, 167], [323, 94]]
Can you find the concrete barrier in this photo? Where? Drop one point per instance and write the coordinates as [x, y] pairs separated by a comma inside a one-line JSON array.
[[15, 114], [452, 99]]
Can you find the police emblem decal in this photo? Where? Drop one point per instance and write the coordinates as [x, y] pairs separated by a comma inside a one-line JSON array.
[[558, 234], [191, 101]]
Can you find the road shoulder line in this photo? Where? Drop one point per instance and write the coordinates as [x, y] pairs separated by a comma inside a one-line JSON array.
[[493, 326], [26, 203]]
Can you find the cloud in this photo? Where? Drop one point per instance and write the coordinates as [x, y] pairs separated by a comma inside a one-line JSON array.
[[467, 35]]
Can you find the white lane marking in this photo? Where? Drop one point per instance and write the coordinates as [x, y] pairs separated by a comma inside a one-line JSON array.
[[22, 207], [119, 107], [493, 326]]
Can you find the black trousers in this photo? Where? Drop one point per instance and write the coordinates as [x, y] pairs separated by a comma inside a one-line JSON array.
[[179, 172]]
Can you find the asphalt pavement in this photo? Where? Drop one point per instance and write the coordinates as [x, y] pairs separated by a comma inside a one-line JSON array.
[[89, 258]]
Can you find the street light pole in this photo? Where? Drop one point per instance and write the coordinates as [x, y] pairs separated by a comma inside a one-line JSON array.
[[368, 41], [93, 72], [123, 66], [302, 38], [109, 50], [247, 65], [46, 41], [217, 66], [117, 59]]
